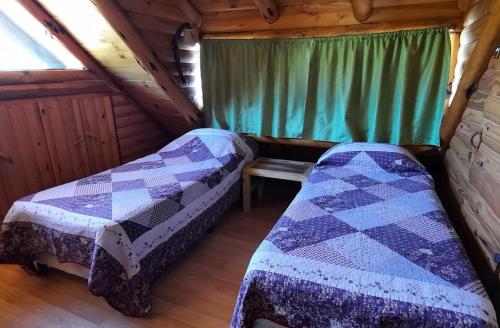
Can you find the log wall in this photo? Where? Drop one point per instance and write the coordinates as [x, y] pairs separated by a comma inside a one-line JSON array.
[[473, 162], [474, 21]]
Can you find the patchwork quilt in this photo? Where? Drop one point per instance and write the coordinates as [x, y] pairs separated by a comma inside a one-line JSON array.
[[128, 223], [365, 243]]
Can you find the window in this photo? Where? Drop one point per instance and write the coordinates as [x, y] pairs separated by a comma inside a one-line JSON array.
[[198, 94], [27, 45]]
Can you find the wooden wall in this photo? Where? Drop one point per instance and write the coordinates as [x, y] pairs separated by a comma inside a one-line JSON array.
[[474, 21], [42, 116], [138, 134], [473, 163]]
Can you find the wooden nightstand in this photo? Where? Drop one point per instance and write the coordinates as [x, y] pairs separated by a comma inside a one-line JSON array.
[[275, 169]]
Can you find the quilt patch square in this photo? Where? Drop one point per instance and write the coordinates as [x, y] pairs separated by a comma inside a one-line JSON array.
[[324, 253], [159, 181], [128, 185], [383, 191], [172, 191], [92, 205], [137, 166], [397, 163], [93, 189], [319, 176], [345, 200], [133, 229], [104, 177], [360, 181], [410, 185], [290, 235], [426, 228], [304, 210]]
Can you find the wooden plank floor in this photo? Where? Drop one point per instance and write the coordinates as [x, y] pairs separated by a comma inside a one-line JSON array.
[[199, 290]]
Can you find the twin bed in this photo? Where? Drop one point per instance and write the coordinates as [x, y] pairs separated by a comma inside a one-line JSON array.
[[122, 227], [364, 243]]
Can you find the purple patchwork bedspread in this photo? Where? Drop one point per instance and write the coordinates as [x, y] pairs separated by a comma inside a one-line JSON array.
[[365, 243], [128, 223]]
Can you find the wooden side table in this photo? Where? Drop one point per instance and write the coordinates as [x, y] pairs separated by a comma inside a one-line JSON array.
[[275, 169]]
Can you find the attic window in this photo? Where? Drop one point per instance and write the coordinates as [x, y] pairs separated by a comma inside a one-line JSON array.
[[27, 45]]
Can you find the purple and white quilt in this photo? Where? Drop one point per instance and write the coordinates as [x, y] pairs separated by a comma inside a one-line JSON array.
[[365, 243], [128, 223]]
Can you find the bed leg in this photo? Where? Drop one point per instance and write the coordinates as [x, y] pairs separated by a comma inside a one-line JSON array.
[[37, 269]]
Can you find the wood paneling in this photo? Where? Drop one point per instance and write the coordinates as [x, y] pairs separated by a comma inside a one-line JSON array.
[[138, 135], [27, 167], [64, 134], [136, 143], [52, 140], [100, 133]]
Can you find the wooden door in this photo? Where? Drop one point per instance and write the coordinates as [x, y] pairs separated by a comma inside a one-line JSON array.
[[100, 133], [63, 129], [25, 165]]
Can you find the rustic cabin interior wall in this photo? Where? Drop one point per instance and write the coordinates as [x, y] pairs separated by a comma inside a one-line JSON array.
[[473, 162], [474, 20], [149, 26], [57, 126]]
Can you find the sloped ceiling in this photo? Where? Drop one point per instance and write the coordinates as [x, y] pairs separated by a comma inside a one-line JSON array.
[[83, 20], [103, 28]]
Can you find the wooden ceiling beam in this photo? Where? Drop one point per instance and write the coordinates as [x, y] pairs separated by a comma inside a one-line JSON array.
[[452, 23], [362, 9], [331, 15], [268, 9], [474, 69], [119, 20], [190, 11]]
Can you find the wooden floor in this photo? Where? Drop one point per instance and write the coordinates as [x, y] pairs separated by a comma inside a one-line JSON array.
[[199, 290]]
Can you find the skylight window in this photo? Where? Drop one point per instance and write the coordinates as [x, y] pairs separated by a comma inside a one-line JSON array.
[[28, 45]]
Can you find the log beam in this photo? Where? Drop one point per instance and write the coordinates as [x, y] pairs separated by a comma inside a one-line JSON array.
[[268, 9], [486, 44], [190, 11], [452, 23], [362, 9], [119, 20]]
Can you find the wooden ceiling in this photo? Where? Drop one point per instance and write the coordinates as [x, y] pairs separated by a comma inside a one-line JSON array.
[[127, 53], [131, 39], [242, 18]]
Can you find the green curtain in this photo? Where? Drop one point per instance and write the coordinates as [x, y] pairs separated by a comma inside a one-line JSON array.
[[384, 87]]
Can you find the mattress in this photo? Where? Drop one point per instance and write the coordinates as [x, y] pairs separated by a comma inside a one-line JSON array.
[[125, 225], [365, 243]]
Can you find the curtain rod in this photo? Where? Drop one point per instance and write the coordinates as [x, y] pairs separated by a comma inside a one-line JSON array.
[[453, 24]]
